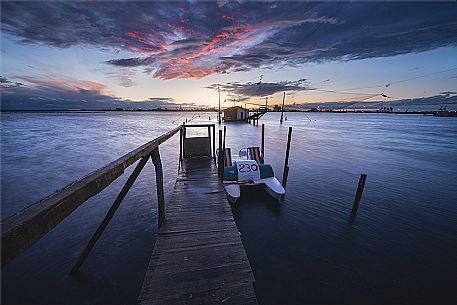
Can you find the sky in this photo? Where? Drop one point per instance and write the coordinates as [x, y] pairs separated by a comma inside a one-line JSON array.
[[99, 55]]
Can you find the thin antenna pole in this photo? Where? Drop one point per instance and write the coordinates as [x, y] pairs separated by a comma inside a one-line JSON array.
[[282, 108], [219, 112]]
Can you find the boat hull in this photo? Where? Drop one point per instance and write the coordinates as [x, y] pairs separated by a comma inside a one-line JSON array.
[[271, 186]]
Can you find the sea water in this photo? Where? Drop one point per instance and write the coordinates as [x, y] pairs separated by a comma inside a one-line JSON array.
[[401, 248]]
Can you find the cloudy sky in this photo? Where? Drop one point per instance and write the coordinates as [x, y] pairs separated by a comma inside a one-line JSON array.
[[92, 54]]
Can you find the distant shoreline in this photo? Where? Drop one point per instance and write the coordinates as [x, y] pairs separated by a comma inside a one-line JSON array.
[[426, 112]]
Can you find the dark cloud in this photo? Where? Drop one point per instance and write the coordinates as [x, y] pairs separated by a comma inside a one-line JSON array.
[[5, 83], [63, 95], [131, 62], [243, 91], [448, 93], [195, 39], [423, 103]]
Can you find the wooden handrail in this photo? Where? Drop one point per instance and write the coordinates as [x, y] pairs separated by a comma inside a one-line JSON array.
[[200, 125], [23, 229]]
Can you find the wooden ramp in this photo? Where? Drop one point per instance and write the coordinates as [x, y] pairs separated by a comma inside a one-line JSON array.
[[198, 257]]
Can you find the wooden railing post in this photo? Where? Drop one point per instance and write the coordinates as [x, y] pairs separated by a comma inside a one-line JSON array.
[[220, 166], [214, 143], [155, 157], [101, 228], [181, 144], [23, 229]]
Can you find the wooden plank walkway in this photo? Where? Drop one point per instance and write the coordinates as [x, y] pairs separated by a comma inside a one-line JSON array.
[[198, 257]]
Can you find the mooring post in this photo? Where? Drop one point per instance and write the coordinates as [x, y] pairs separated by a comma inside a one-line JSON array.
[[286, 161], [214, 143], [223, 143], [155, 157], [358, 194], [223, 152], [220, 166], [180, 143], [101, 228], [282, 108], [263, 140]]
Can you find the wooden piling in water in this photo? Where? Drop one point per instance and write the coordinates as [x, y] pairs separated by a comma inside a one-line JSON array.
[[220, 166], [263, 140], [286, 161], [223, 154], [223, 143], [282, 108], [358, 194]]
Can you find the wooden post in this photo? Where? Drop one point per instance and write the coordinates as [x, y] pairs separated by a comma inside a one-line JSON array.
[[358, 194], [223, 143], [223, 152], [155, 157], [180, 144], [263, 140], [214, 143], [101, 228], [282, 108], [183, 139], [286, 161], [219, 111], [220, 166], [21, 230]]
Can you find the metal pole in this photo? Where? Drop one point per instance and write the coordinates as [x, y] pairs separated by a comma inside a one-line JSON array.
[[282, 108], [266, 103]]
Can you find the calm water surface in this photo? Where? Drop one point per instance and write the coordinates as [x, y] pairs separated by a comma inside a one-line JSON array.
[[400, 249]]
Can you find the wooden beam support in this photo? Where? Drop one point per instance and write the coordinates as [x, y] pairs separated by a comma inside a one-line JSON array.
[[155, 157], [101, 228], [23, 229]]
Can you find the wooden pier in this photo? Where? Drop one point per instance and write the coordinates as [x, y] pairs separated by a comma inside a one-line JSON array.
[[198, 257]]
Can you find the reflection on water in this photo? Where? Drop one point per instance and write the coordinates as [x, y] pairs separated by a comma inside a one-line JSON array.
[[400, 248]]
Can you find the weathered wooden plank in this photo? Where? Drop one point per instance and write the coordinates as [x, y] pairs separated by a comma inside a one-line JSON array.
[[27, 226], [198, 257]]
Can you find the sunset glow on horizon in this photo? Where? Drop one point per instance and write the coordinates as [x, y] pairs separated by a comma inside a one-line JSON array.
[[104, 54]]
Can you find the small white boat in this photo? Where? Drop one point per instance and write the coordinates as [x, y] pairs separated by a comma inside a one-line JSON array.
[[248, 169]]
